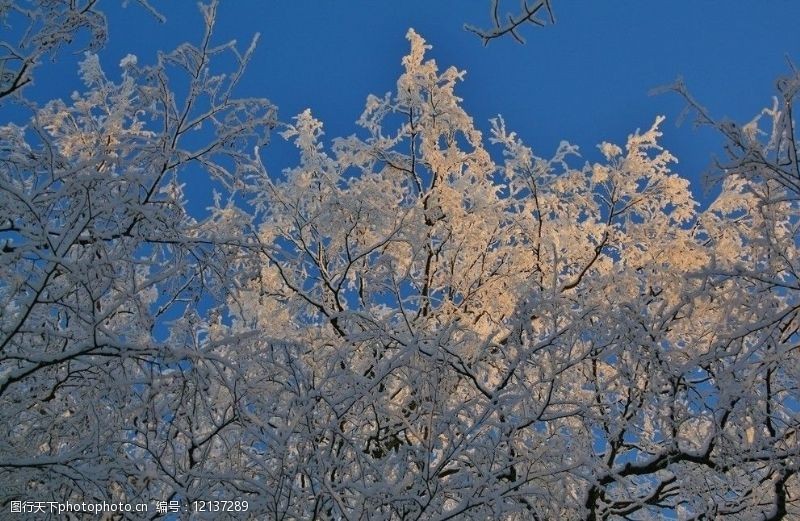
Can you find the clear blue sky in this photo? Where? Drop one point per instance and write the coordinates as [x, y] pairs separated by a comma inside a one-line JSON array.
[[586, 79]]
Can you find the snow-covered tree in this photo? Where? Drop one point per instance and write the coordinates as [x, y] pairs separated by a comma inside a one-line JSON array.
[[523, 340], [414, 321], [98, 254]]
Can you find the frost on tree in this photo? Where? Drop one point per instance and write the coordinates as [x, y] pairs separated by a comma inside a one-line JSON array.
[[416, 321], [522, 340], [37, 30], [97, 255]]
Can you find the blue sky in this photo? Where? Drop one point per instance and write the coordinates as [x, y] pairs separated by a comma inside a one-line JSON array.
[[585, 79]]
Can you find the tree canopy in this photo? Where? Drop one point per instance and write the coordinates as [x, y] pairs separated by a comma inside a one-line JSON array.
[[414, 321]]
